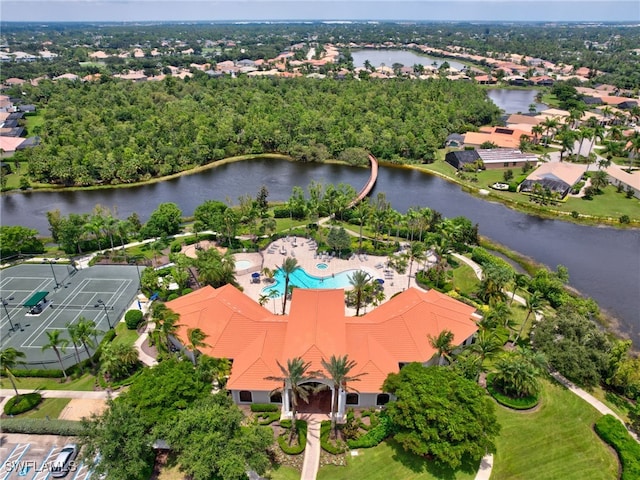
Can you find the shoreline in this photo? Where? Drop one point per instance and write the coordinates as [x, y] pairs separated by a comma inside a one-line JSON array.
[[472, 190]]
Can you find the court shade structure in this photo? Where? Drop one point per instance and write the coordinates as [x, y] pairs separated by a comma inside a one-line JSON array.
[[35, 299]]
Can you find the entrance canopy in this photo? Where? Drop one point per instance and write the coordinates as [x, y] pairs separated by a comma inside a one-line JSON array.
[[35, 299]]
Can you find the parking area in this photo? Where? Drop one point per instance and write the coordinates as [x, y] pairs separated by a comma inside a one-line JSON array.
[[28, 457], [41, 298]]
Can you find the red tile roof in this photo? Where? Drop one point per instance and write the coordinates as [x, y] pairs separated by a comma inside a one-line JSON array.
[[316, 328]]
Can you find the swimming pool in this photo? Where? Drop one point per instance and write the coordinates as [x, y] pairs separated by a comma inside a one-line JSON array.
[[243, 264], [301, 279]]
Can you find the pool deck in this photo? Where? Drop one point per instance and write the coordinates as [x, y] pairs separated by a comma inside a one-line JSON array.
[[304, 250]]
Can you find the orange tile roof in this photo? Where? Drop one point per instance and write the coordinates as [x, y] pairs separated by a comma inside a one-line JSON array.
[[503, 137], [316, 328]]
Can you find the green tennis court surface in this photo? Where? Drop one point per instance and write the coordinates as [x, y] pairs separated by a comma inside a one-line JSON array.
[[102, 293]]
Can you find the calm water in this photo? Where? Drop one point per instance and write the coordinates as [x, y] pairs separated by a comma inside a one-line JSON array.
[[515, 101], [404, 57], [604, 263]]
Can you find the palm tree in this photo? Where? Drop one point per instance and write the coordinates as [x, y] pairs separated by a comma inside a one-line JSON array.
[[117, 360], [166, 326], [75, 339], [288, 267], [9, 359], [443, 343], [359, 281], [534, 302], [517, 373], [360, 214], [85, 330], [520, 280], [58, 345], [549, 124], [416, 252], [196, 340], [599, 180], [537, 131], [293, 378], [567, 142], [488, 343], [338, 369], [633, 147]]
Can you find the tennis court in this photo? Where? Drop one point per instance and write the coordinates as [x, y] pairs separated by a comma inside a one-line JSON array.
[[57, 295]]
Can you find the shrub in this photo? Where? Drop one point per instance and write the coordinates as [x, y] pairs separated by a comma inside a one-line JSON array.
[[265, 407], [614, 433], [267, 418], [187, 291], [375, 435], [176, 247], [283, 440], [41, 426], [624, 219], [326, 444], [133, 318], [22, 403], [574, 214], [173, 296], [35, 372], [524, 403]]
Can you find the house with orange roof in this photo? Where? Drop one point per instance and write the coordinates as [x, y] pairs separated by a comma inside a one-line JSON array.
[[502, 137], [380, 342]]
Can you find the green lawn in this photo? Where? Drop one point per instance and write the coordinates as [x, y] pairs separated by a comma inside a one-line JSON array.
[[124, 336], [83, 384], [284, 473], [555, 441], [34, 123], [50, 407], [609, 204], [615, 402], [464, 279], [388, 461]]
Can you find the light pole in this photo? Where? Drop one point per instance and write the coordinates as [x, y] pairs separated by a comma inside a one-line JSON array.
[[103, 305], [135, 260], [54, 274], [4, 304]]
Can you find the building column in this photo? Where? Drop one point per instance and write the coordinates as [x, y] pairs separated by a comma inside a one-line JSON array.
[[286, 410], [342, 403]]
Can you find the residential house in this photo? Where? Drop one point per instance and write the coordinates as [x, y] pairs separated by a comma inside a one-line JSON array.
[[379, 342], [454, 140], [558, 177], [459, 158], [619, 175], [502, 137], [506, 158]]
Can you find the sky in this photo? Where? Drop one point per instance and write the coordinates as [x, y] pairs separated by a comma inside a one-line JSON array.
[[268, 10]]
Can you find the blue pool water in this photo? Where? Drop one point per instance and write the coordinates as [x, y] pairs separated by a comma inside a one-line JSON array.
[[302, 279]]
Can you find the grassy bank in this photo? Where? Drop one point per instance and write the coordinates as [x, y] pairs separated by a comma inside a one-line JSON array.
[[554, 441]]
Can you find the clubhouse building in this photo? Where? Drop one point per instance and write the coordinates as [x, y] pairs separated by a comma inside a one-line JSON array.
[[380, 341]]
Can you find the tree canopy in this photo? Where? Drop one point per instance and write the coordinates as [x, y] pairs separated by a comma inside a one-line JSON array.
[[159, 128], [440, 414]]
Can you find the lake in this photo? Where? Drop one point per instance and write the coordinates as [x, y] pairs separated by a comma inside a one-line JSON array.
[[404, 57], [515, 100], [603, 262]]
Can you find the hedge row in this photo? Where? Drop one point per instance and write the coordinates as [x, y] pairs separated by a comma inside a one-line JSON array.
[[325, 431], [41, 426], [616, 435], [374, 436], [283, 440], [484, 258], [22, 403], [267, 418], [265, 407]]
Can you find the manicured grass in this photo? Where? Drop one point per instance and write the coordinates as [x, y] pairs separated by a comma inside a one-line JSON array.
[[464, 279], [50, 407], [555, 441], [284, 473], [389, 461], [83, 384], [283, 224], [124, 336], [33, 122], [608, 204]]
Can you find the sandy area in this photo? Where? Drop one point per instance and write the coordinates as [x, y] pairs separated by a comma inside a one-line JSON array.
[[82, 407], [190, 250]]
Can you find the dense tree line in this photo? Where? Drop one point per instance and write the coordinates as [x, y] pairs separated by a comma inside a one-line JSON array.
[[155, 129]]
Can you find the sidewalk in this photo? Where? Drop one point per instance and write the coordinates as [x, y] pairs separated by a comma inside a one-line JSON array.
[[312, 450]]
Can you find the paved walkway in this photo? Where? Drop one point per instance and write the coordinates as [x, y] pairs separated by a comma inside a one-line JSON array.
[[312, 450]]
